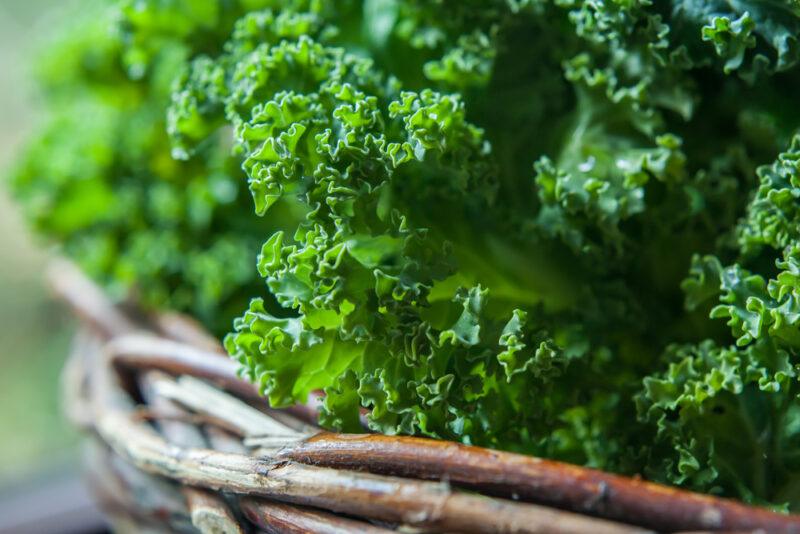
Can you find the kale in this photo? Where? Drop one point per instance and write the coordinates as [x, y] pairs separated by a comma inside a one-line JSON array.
[[557, 227]]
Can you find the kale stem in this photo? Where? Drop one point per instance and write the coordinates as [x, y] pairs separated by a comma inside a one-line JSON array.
[[759, 474]]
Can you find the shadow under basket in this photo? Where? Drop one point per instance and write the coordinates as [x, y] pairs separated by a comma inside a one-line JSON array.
[[179, 443]]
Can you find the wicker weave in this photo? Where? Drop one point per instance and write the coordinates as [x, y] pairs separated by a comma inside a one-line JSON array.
[[180, 443]]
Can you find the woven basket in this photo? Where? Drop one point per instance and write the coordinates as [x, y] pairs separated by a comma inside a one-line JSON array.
[[178, 442]]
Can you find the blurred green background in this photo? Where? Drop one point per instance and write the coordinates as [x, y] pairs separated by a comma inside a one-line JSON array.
[[34, 330]]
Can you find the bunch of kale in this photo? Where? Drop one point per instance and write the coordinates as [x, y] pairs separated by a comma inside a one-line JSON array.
[[513, 223]]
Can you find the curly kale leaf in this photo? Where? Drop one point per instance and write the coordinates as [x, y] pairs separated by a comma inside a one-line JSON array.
[[773, 214], [373, 290], [725, 419], [749, 36]]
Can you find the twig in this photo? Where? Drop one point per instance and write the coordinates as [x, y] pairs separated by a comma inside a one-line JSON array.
[[276, 518], [147, 352], [364, 495], [179, 327], [147, 413], [87, 300], [209, 513], [119, 488], [143, 352], [224, 441], [566, 486], [204, 398]]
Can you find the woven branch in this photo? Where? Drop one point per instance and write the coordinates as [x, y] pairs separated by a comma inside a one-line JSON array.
[[212, 433], [280, 518]]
